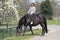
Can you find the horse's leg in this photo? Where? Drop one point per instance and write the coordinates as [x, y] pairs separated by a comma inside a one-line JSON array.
[[46, 26], [31, 29], [24, 30], [43, 30]]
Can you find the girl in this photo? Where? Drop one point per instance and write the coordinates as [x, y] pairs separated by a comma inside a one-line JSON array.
[[32, 9]]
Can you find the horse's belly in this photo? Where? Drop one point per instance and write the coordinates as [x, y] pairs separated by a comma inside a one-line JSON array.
[[35, 24]]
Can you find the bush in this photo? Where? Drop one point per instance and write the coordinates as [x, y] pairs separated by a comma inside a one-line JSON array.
[[46, 9]]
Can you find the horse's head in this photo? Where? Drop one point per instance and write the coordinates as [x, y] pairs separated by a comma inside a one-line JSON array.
[[19, 30]]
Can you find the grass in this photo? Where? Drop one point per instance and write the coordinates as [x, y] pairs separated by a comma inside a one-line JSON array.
[[26, 37], [53, 22], [58, 22]]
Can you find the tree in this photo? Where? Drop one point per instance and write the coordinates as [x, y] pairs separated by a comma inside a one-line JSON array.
[[46, 9], [37, 7], [54, 7]]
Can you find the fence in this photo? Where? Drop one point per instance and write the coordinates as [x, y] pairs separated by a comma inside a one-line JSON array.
[[7, 30]]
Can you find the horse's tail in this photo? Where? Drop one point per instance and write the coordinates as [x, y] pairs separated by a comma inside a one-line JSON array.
[[46, 26]]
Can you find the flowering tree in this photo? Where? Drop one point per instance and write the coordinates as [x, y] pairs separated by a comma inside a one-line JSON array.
[[9, 10]]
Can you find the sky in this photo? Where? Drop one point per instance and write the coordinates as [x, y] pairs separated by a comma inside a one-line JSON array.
[[58, 0], [32, 1], [38, 0]]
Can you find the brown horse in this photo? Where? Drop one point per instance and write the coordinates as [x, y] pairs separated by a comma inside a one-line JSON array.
[[36, 19]]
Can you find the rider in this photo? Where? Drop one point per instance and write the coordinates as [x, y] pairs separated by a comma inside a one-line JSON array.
[[32, 10]]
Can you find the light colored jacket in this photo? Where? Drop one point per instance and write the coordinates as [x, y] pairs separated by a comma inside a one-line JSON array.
[[32, 10]]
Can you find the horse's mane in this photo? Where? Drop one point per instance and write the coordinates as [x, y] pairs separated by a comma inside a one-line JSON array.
[[21, 20]]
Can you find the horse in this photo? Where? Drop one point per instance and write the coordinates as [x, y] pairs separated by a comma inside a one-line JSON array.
[[37, 19]]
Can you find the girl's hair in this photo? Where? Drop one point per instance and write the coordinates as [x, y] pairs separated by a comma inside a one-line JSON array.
[[33, 4]]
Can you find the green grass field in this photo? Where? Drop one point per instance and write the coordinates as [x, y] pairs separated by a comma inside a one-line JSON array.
[[26, 37], [11, 35], [53, 22]]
